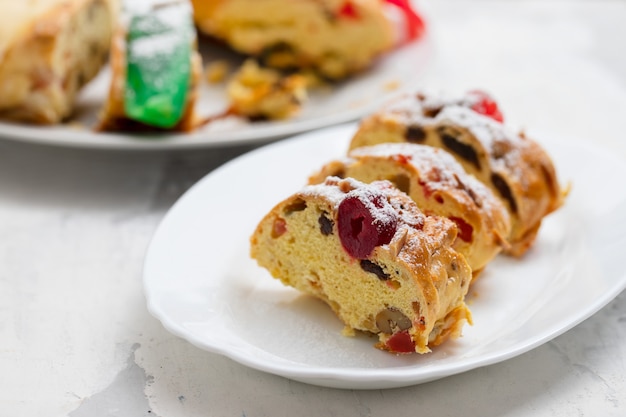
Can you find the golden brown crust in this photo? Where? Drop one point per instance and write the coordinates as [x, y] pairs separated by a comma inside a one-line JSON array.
[[439, 186], [414, 284], [516, 168]]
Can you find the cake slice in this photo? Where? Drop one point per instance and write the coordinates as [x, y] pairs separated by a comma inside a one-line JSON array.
[[49, 49], [440, 186], [155, 69], [337, 38], [373, 257], [517, 169]]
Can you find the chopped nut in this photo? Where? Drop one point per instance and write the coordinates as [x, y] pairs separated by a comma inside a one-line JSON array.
[[391, 320], [396, 245]]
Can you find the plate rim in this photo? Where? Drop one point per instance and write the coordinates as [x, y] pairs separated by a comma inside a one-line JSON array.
[[65, 136], [367, 378]]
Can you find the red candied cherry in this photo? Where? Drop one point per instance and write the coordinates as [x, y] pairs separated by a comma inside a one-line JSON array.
[[401, 342], [483, 103], [465, 229], [364, 222], [348, 11]]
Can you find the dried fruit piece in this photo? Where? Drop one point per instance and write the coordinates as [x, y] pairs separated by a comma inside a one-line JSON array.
[[401, 342], [158, 55], [465, 229], [485, 104], [464, 150], [279, 227], [348, 11], [297, 205], [504, 190], [364, 222], [375, 269], [415, 134], [326, 224]]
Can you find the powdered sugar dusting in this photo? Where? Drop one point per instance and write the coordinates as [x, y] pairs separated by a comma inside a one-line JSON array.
[[437, 169], [393, 205], [328, 190], [503, 147], [169, 25]]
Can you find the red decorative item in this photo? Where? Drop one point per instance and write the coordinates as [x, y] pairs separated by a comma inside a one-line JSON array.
[[415, 23], [465, 229], [360, 230], [401, 342], [485, 104], [348, 10]]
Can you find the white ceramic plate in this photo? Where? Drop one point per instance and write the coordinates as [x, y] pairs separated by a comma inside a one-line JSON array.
[[400, 70], [202, 285]]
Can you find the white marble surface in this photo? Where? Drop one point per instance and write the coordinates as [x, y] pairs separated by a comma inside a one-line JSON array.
[[76, 338]]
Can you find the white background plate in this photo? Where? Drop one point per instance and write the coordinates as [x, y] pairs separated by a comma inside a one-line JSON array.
[[202, 285], [399, 70]]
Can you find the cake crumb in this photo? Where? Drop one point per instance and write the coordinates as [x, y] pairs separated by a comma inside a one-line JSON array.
[[391, 85], [216, 71], [348, 332], [265, 94]]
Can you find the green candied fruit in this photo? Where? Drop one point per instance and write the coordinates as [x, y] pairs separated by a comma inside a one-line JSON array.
[[158, 73]]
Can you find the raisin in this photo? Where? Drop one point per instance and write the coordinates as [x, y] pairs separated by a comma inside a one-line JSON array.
[[465, 151], [504, 190], [415, 134], [326, 224], [297, 205], [369, 266]]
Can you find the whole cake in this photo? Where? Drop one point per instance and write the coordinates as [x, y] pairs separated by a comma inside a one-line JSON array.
[[49, 49], [373, 257], [335, 37], [516, 168], [155, 69], [440, 186]]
